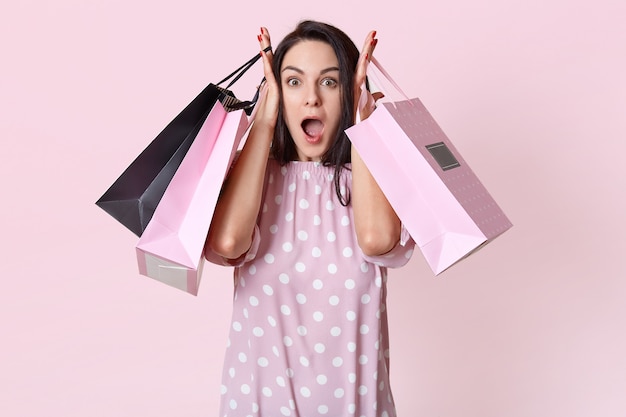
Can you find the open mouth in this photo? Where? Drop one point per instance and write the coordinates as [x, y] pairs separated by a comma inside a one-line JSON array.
[[313, 129]]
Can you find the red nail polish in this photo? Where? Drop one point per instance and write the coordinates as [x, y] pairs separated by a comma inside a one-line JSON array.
[[367, 56], [259, 37], [374, 34], [373, 42], [261, 29]]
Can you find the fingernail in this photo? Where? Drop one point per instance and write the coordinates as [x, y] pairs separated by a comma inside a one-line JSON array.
[[261, 29], [367, 56], [374, 34], [259, 37], [372, 42]]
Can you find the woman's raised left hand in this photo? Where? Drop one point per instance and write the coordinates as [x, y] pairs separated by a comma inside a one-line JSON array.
[[366, 108]]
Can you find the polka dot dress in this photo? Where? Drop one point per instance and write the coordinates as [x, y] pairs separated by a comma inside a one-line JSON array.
[[309, 329]]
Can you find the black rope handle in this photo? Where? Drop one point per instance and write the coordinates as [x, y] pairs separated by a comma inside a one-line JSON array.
[[242, 69], [228, 99]]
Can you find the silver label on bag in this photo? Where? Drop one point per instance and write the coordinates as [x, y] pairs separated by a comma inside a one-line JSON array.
[[443, 156]]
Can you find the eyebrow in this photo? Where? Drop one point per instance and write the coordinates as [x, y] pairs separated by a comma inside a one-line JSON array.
[[299, 71]]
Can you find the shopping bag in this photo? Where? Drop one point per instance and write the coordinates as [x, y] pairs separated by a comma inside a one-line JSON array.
[[171, 247], [134, 196], [446, 209]]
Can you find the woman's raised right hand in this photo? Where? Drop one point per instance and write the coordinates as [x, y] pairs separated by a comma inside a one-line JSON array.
[[269, 99]]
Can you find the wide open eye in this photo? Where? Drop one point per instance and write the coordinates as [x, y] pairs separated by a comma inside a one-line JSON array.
[[293, 82], [329, 82]]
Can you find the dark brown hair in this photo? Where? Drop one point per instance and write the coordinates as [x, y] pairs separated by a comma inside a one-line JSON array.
[[338, 154]]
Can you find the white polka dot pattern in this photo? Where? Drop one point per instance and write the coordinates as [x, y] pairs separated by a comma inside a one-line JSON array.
[[308, 332]]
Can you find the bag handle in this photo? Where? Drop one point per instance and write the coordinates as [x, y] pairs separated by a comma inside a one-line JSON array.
[[235, 104], [242, 69], [386, 75], [366, 100]]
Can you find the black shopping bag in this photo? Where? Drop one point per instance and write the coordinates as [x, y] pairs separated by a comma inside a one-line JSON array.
[[134, 196]]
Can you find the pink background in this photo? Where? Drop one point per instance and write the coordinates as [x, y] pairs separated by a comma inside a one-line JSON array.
[[533, 93]]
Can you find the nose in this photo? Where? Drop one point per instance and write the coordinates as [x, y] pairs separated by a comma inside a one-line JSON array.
[[312, 96]]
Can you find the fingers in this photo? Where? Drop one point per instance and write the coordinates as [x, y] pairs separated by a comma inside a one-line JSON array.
[[369, 45], [366, 55], [377, 96], [266, 111], [265, 41]]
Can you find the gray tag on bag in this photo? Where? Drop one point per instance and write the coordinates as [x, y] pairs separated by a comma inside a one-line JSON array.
[[443, 156]]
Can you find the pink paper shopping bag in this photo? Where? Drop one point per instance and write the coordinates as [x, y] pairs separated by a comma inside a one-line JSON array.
[[439, 199], [171, 248]]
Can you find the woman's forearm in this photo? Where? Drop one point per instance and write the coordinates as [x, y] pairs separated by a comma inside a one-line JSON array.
[[237, 210], [377, 225]]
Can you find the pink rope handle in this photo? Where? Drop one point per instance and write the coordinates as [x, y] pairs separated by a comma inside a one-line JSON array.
[[366, 100], [385, 75]]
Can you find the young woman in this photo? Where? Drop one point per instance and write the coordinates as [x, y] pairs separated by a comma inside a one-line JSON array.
[[311, 236]]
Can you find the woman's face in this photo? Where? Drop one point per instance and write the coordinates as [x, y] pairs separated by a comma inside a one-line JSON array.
[[312, 97]]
